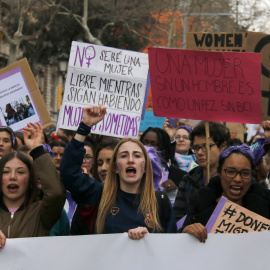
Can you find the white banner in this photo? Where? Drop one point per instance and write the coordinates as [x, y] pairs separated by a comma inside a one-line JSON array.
[[155, 251], [102, 75]]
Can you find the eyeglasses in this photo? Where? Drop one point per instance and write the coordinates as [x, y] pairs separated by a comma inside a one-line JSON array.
[[196, 148], [179, 137], [231, 172], [87, 157]]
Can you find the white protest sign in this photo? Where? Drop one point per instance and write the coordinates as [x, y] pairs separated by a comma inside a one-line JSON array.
[[155, 251], [101, 75]]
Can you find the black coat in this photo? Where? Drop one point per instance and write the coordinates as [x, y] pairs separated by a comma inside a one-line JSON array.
[[203, 203]]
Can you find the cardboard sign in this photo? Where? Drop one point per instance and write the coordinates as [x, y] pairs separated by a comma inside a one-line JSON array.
[[212, 86], [260, 43], [237, 130], [222, 41], [112, 77], [229, 217], [243, 42], [20, 99]]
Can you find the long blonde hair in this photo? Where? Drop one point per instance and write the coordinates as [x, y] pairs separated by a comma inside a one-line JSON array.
[[148, 202]]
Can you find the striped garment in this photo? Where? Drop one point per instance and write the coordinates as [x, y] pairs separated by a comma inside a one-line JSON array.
[[184, 161]]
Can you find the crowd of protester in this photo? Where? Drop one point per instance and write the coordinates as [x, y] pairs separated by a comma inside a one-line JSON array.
[[64, 182]]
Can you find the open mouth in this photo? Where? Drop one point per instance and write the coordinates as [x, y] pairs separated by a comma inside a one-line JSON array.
[[235, 190], [131, 171], [13, 187], [103, 176]]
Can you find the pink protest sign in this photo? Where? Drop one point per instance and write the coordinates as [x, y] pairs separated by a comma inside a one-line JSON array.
[[212, 86]]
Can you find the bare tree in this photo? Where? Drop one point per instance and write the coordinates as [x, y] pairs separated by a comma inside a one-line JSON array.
[[100, 17], [252, 15], [80, 19], [25, 11]]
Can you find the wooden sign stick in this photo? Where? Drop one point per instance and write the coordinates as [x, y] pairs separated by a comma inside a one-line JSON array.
[[207, 132]]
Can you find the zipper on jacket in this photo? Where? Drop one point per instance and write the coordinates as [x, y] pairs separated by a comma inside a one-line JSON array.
[[11, 217]]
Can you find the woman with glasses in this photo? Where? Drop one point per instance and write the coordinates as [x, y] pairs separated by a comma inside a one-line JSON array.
[[183, 154], [236, 183], [196, 178], [180, 135]]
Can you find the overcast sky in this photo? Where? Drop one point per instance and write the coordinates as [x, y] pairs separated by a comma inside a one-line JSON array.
[[257, 12]]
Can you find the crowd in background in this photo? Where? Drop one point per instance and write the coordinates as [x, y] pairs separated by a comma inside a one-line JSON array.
[[62, 182]]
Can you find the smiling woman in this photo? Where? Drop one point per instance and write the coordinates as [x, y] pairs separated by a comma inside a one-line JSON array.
[[127, 201]]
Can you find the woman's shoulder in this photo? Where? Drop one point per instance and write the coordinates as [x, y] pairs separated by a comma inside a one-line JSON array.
[[257, 199], [260, 190]]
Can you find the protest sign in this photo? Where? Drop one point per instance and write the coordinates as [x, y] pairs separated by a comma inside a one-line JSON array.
[[237, 130], [243, 42], [222, 41], [260, 43], [147, 90], [212, 86], [117, 251], [229, 217], [151, 121], [20, 98], [112, 77]]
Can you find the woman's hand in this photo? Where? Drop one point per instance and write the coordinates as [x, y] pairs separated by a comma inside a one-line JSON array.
[[36, 133], [94, 114], [170, 130], [2, 239], [137, 233], [169, 185], [266, 127], [197, 230]]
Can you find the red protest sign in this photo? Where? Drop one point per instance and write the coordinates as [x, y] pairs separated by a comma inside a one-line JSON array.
[[212, 86]]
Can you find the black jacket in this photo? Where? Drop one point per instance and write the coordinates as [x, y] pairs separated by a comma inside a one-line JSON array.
[[190, 183], [203, 203]]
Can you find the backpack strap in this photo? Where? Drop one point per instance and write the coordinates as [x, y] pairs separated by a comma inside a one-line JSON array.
[[163, 208]]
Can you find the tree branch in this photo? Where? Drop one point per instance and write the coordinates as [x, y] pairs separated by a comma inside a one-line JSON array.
[[8, 38]]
